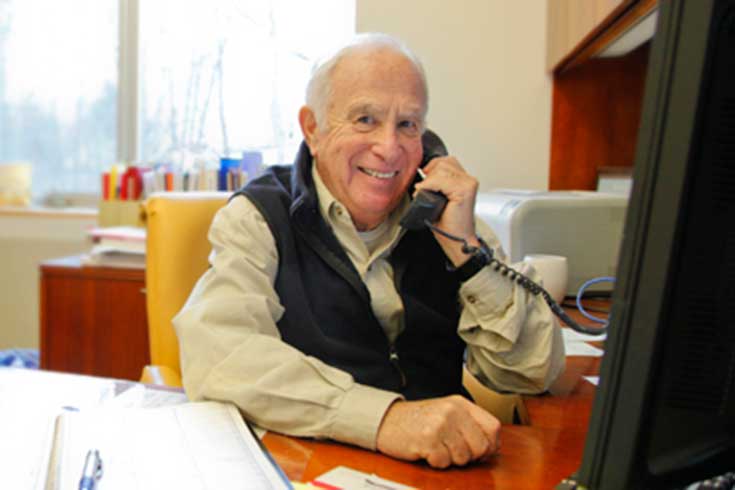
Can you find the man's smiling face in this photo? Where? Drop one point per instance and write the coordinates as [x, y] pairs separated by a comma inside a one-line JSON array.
[[369, 147]]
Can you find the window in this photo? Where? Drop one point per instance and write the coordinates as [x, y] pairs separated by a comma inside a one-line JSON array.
[[85, 83], [58, 90]]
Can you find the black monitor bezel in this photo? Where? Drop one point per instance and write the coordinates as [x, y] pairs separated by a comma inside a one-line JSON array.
[[679, 73]]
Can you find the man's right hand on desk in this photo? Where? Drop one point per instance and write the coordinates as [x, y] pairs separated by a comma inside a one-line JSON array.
[[443, 431]]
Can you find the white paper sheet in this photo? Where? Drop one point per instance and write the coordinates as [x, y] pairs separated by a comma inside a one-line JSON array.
[[344, 478], [575, 343], [582, 349], [141, 396]]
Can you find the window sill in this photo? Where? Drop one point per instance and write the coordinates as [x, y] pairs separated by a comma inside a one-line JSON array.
[[47, 212]]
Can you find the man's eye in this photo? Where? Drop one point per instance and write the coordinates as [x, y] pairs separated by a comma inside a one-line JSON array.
[[409, 126], [365, 120]]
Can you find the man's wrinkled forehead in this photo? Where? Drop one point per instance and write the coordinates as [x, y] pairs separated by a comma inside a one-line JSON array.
[[382, 70]]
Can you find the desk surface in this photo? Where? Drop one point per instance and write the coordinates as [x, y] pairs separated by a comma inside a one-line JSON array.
[[534, 457]]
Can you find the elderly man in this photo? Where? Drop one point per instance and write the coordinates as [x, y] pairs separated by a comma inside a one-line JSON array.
[[321, 316]]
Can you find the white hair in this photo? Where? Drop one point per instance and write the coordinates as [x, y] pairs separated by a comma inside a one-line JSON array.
[[319, 89]]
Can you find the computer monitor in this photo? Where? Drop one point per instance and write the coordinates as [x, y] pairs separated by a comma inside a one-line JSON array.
[[664, 412]]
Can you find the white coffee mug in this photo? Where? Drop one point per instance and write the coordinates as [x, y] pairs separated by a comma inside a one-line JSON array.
[[554, 272]]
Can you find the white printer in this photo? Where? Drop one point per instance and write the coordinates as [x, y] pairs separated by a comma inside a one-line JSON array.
[[584, 226]]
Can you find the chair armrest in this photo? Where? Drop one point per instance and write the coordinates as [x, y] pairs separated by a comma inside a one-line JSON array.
[[161, 376], [508, 409]]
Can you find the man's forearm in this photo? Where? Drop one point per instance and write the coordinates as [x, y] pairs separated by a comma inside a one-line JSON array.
[[279, 388], [514, 340]]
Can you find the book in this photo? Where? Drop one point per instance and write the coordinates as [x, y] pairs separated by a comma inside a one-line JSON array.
[[198, 445], [117, 246], [106, 257], [50, 421], [129, 239]]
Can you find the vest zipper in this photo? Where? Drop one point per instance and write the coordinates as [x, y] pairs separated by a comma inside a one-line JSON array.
[[395, 360]]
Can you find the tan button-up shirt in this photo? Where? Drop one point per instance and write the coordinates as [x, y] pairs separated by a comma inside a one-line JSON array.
[[231, 348]]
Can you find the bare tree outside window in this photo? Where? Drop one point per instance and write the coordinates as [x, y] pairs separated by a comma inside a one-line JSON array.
[[229, 76], [58, 90]]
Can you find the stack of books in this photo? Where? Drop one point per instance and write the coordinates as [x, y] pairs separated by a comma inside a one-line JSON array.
[[117, 246]]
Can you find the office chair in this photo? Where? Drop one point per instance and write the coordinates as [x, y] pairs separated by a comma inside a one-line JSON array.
[[176, 256]]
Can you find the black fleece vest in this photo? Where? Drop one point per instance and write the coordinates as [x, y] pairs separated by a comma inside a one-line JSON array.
[[327, 306]]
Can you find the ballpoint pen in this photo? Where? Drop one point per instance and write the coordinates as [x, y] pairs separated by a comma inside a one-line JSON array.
[[92, 471]]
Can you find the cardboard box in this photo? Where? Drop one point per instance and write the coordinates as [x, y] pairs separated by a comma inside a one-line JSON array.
[[120, 213]]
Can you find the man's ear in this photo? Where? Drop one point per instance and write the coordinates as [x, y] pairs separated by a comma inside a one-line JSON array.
[[307, 121]]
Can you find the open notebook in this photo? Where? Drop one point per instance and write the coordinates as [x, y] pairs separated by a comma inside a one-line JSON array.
[[203, 445]]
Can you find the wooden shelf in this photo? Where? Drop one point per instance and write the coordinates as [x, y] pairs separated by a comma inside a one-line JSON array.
[[582, 29]]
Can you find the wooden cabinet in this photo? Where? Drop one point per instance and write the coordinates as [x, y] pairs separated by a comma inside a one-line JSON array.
[[596, 102], [93, 319]]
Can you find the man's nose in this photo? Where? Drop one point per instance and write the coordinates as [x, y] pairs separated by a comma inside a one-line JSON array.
[[387, 144]]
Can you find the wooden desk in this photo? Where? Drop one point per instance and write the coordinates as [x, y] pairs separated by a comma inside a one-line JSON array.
[[532, 457]]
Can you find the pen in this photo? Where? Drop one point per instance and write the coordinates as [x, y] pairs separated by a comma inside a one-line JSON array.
[[92, 470]]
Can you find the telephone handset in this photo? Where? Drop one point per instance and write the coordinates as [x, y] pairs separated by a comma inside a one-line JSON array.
[[427, 207]]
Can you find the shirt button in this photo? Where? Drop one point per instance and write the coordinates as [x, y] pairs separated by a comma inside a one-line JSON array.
[[370, 267], [472, 299], [339, 211]]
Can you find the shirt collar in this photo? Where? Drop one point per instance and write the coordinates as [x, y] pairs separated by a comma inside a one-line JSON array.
[[327, 202]]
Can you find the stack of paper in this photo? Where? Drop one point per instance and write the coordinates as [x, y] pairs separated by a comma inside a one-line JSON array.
[[117, 246]]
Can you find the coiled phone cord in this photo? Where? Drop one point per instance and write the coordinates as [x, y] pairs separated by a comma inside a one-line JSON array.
[[519, 278]]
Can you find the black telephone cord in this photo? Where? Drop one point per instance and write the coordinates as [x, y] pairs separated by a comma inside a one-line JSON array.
[[519, 278]]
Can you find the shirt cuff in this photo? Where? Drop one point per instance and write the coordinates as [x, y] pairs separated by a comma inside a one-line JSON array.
[[487, 292], [485, 297], [360, 414]]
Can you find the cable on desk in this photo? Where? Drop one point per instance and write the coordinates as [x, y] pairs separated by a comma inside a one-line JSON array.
[[580, 294]]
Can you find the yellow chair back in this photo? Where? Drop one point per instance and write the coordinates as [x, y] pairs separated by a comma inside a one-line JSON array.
[[177, 249]]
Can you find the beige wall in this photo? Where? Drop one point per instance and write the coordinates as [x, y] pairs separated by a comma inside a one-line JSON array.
[[25, 241], [490, 94]]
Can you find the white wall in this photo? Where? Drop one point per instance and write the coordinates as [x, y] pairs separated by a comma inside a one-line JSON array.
[[490, 94]]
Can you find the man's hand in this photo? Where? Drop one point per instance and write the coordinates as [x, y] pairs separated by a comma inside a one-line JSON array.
[[443, 431], [446, 175]]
